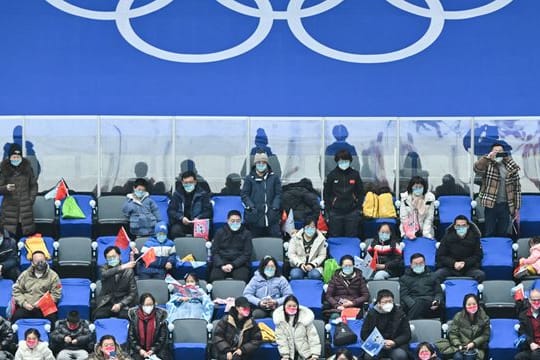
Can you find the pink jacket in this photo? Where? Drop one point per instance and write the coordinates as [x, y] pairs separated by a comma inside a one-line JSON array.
[[534, 258]]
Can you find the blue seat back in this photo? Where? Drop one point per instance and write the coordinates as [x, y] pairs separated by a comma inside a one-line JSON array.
[[424, 246], [339, 246], [39, 324], [25, 263], [162, 202], [115, 326], [105, 241], [222, 205], [75, 296], [497, 262]]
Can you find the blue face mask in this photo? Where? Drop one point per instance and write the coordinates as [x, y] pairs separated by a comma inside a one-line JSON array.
[[189, 187], [161, 237], [384, 236], [310, 231], [113, 262], [15, 162], [344, 164], [139, 193], [461, 231], [235, 226], [347, 270], [418, 191], [418, 269], [269, 272], [261, 167]]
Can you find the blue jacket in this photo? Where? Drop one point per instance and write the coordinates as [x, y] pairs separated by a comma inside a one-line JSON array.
[[261, 197], [143, 215], [200, 205], [277, 287], [200, 307], [165, 253]]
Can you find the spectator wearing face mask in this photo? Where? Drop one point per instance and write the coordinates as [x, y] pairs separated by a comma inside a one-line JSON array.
[[307, 251], [529, 327], [31, 285], [32, 348], [393, 325], [420, 290], [417, 210], [141, 210], [148, 333], [165, 255], [386, 248], [108, 349], [231, 250], [426, 351], [188, 203], [72, 338]]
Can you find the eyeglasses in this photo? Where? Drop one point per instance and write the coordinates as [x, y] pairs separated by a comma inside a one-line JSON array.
[[534, 300]]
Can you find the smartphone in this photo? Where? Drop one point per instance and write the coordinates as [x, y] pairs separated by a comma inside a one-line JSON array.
[[502, 154], [112, 354]]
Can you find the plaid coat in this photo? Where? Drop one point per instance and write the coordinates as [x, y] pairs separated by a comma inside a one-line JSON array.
[[491, 179]]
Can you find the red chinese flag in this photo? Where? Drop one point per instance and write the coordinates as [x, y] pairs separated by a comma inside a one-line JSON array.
[[46, 304], [122, 239], [321, 224], [374, 259], [149, 257], [61, 191]]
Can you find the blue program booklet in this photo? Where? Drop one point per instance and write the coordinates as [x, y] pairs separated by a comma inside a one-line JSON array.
[[374, 343]]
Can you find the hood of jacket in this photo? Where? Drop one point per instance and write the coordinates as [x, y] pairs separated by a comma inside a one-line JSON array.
[[305, 315], [131, 197], [473, 229]]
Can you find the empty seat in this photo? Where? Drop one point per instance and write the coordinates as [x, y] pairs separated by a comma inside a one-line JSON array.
[[497, 298], [74, 258], [117, 327], [529, 222], [454, 292], [196, 247], [429, 330], [339, 246], [190, 339], [266, 246], [110, 217], [25, 262], [45, 216], [158, 288], [422, 245], [502, 337], [79, 227], [221, 207], [497, 262], [223, 289], [75, 296], [309, 293], [374, 286], [162, 202]]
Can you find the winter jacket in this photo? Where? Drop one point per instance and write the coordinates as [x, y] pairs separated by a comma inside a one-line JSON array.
[[165, 252], [17, 205], [6, 334], [463, 331], [98, 354], [228, 336], [85, 338], [355, 290], [489, 170], [425, 285], [40, 352], [526, 326], [198, 307], [316, 255], [425, 220], [201, 208], [29, 288], [533, 259], [388, 254], [393, 326], [302, 338], [232, 247], [9, 258], [302, 198], [467, 249], [277, 287], [343, 191], [160, 343], [117, 286], [142, 214], [261, 196]]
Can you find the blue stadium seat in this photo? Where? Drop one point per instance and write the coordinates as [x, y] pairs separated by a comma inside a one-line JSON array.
[[529, 224], [424, 246], [196, 247], [339, 246], [371, 226], [267, 351], [75, 296], [25, 263], [501, 342], [78, 227], [497, 262], [451, 206], [222, 205], [6, 287], [190, 339], [105, 241], [117, 327], [309, 293], [356, 327], [39, 324], [266, 246], [162, 202], [454, 292]]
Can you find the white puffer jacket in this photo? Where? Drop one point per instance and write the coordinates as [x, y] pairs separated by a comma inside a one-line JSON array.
[[302, 338], [297, 253], [40, 352], [426, 221]]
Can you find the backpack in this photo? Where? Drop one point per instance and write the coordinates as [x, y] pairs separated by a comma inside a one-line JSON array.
[[36, 243]]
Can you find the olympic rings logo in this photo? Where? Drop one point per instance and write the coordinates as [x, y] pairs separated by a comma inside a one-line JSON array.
[[267, 15]]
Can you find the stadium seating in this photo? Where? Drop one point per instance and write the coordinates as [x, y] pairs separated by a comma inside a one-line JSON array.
[[116, 326], [222, 205], [449, 207], [309, 293], [529, 224], [454, 292], [74, 258], [162, 202], [497, 298], [424, 246], [158, 288], [110, 217], [79, 227], [375, 285], [267, 351], [356, 327], [42, 325], [196, 247], [6, 287], [45, 216], [497, 262], [339, 246], [24, 262], [224, 289], [429, 330], [190, 339], [266, 246], [501, 342], [75, 296]]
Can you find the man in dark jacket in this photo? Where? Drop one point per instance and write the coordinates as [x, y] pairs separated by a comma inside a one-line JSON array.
[[302, 198], [6, 339], [420, 290], [19, 187], [188, 203], [236, 335], [118, 287], [231, 250], [460, 252], [72, 338], [529, 326], [393, 325], [261, 195], [9, 261], [343, 196]]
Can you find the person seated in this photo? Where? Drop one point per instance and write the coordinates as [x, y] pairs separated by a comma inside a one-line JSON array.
[[6, 339], [72, 338], [236, 335], [386, 249], [417, 210], [118, 286], [346, 289], [165, 251], [9, 259], [188, 203], [191, 302], [426, 351], [529, 327], [307, 251], [343, 354], [460, 252], [420, 290], [233, 184], [393, 325], [148, 332], [30, 287], [302, 198], [267, 289], [530, 266], [231, 250], [141, 210], [32, 348], [108, 348]]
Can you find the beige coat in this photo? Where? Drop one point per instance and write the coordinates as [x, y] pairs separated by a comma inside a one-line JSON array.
[[317, 255], [29, 288], [302, 338]]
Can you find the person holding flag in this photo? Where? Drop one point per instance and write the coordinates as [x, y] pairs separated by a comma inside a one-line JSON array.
[[118, 286], [386, 249], [165, 253]]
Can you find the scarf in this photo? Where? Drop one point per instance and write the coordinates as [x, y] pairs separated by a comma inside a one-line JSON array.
[[147, 328]]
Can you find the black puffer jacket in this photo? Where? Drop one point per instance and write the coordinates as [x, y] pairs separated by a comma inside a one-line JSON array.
[[232, 247], [302, 198], [85, 338], [160, 345], [6, 334], [393, 326], [17, 205], [453, 248], [229, 336], [424, 285], [343, 191], [118, 286], [261, 196]]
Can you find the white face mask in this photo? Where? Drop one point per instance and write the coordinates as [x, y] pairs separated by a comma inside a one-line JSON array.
[[147, 309], [387, 307], [499, 159]]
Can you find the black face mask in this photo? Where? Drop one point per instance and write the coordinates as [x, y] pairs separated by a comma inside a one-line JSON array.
[[41, 266]]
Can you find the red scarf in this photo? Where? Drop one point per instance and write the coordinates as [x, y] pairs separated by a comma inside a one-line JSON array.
[[147, 328]]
